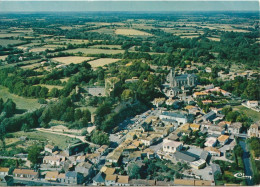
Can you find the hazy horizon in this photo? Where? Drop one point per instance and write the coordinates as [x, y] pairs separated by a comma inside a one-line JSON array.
[[126, 6]]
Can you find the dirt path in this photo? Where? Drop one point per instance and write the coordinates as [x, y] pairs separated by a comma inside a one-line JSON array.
[[81, 138]]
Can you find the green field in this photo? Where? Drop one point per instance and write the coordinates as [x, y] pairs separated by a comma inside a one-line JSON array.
[[21, 102], [94, 51], [255, 116], [107, 46], [59, 140], [6, 42]]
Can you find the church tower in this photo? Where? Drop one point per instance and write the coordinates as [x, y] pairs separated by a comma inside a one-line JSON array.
[[172, 78]]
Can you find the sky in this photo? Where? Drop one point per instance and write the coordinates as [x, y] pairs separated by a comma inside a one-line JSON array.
[[124, 5]]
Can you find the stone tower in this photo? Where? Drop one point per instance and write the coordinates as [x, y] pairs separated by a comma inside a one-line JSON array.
[[172, 78]]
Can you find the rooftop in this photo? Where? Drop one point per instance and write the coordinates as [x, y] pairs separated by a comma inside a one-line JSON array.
[[122, 179], [25, 171], [185, 156], [4, 169], [110, 178], [223, 138], [174, 114]]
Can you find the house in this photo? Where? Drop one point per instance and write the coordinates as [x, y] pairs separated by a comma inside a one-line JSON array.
[[93, 157], [114, 156], [81, 158], [61, 178], [158, 101], [170, 101], [199, 95], [180, 118], [213, 129], [170, 146], [107, 171], [192, 109], [213, 151], [4, 171], [25, 173], [150, 139], [185, 129], [164, 183], [254, 130], [223, 139], [72, 177], [235, 128], [141, 182], [199, 164], [102, 150], [191, 182], [53, 160], [183, 182], [99, 179], [85, 168], [211, 142], [252, 104], [52, 176], [75, 148], [209, 116], [122, 180], [208, 70], [195, 127], [206, 102], [224, 124], [110, 180], [184, 156], [50, 148]]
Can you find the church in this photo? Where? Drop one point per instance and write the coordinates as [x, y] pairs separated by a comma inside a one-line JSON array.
[[179, 83], [186, 80]]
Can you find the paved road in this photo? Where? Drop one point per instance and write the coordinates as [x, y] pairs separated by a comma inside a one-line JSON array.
[[247, 163], [81, 138]]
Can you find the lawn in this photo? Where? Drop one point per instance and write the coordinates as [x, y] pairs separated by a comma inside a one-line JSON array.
[[71, 59], [55, 139], [102, 62], [94, 51], [255, 116], [131, 32], [21, 102]]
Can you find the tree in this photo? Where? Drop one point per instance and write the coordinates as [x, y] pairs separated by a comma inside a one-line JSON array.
[[100, 138], [43, 92], [78, 114], [1, 105], [127, 94], [25, 127], [54, 92], [2, 134], [9, 107], [134, 171], [34, 154]]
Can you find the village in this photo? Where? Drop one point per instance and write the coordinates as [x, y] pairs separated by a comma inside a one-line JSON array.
[[181, 129]]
